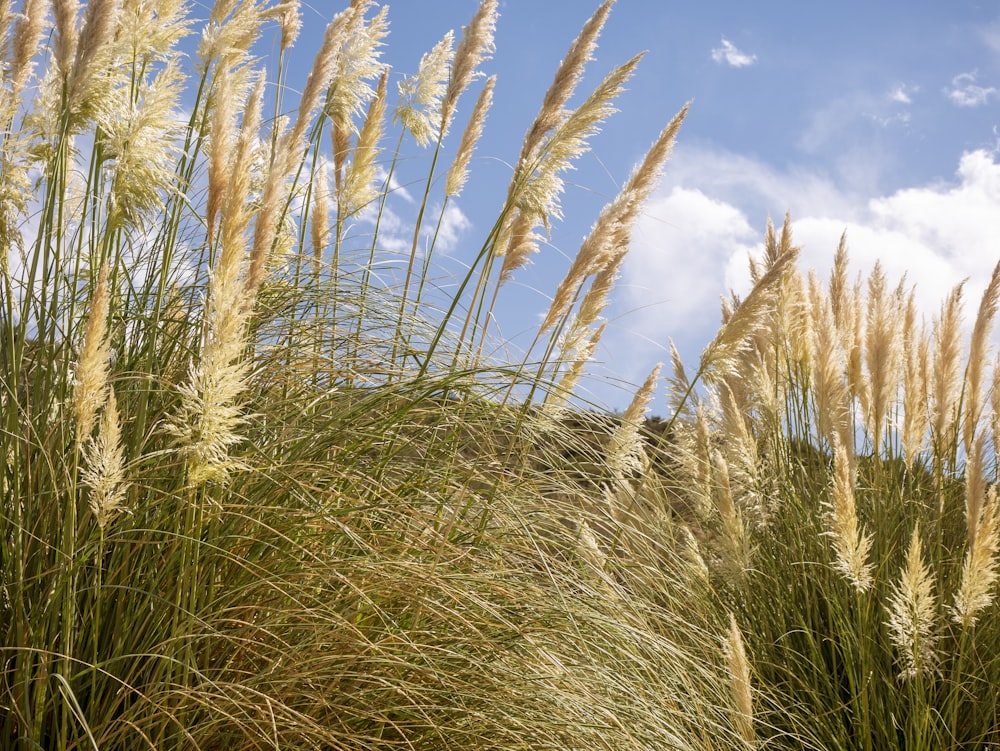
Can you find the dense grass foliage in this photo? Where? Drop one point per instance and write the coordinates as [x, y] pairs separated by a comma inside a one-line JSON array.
[[260, 486]]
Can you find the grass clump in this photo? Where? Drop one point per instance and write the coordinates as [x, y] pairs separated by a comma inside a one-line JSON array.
[[839, 470], [256, 493]]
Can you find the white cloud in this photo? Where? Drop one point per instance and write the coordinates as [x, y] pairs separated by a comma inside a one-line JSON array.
[[902, 94], [730, 55], [453, 225], [964, 92], [692, 243]]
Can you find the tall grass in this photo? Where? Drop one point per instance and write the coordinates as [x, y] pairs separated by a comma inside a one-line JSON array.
[[262, 487], [839, 472], [257, 493]]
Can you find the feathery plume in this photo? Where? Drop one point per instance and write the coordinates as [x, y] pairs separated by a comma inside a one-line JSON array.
[[537, 185], [567, 76], [915, 358], [596, 299], [64, 14], [691, 553], [721, 354], [978, 354], [829, 389], [210, 412], [588, 547], [90, 383], [577, 350], [27, 36], [458, 173], [840, 302], [739, 677], [419, 108], [912, 614], [359, 189], [104, 465], [231, 31], [320, 212], [613, 229], [975, 488], [625, 450], [946, 373], [223, 140], [850, 543], [475, 46], [995, 405], [99, 21], [141, 137], [980, 568], [289, 17], [733, 528], [881, 354], [356, 62]]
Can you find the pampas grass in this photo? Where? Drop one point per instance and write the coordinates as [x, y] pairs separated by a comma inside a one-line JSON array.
[[256, 492], [256, 495]]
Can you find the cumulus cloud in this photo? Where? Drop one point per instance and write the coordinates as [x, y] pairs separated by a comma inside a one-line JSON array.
[[693, 241], [730, 55], [964, 92]]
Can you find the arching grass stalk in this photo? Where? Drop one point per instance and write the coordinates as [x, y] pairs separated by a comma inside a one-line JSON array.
[[400, 340], [366, 272]]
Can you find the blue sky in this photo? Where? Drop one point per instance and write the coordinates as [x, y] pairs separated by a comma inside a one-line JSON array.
[[880, 119]]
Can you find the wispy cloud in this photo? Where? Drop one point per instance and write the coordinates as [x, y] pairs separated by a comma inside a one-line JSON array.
[[730, 55], [964, 92], [902, 94]]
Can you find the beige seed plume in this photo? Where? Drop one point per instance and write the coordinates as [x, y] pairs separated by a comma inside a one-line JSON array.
[[995, 405], [567, 76], [882, 352], [223, 140], [721, 355], [840, 302], [458, 173], [104, 465], [850, 543], [90, 383], [739, 678], [596, 299], [946, 373], [737, 550], [578, 347], [289, 16], [916, 352], [207, 422], [980, 568], [359, 185], [625, 454], [64, 14], [27, 36], [419, 108], [829, 389], [978, 355], [475, 46], [99, 21], [319, 214], [613, 228], [912, 613], [537, 185], [975, 488]]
